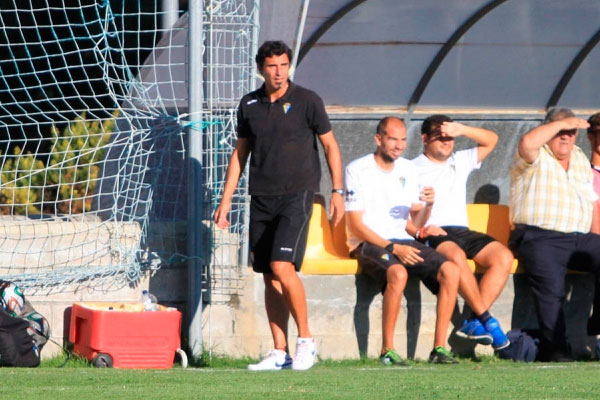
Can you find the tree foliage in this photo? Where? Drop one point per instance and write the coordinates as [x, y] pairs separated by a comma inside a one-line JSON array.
[[66, 182]]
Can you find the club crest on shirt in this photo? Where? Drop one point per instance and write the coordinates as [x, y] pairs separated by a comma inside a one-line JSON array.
[[402, 181], [286, 107], [385, 257], [350, 196], [399, 212]]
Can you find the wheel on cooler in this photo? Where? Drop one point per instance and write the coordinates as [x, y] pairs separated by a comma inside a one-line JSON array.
[[103, 360]]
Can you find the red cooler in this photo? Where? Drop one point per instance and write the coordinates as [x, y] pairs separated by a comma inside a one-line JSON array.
[[122, 335]]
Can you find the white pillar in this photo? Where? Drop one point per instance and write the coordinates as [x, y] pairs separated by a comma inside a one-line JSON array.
[[195, 178]]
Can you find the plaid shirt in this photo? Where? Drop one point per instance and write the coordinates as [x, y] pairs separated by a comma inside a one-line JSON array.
[[543, 194]]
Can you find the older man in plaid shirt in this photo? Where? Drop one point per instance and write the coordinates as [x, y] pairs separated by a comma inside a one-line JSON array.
[[553, 205]]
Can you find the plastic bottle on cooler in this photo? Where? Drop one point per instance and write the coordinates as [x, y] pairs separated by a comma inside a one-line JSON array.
[[149, 300]]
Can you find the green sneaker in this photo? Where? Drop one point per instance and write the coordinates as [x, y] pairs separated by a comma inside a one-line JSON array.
[[440, 355], [392, 358]]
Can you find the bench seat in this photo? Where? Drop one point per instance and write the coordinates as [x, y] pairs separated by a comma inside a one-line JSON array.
[[492, 219], [326, 249], [327, 252]]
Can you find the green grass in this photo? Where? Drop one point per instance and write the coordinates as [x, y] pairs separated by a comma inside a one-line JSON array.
[[224, 378]]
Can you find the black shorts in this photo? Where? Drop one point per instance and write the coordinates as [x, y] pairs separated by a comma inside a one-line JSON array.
[[375, 261], [279, 228], [471, 242]]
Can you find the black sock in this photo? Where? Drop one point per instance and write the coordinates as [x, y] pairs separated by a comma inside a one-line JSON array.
[[484, 317]]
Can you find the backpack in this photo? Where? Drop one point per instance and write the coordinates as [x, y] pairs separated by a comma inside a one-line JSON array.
[[23, 331], [522, 346], [17, 347]]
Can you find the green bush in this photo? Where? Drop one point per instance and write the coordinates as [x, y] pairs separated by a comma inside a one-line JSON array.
[[21, 180], [65, 184]]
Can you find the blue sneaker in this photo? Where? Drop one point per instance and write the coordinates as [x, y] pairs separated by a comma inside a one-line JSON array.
[[473, 330], [500, 340]]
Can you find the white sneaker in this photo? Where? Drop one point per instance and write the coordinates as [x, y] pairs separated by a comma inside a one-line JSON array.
[[306, 352], [274, 361]]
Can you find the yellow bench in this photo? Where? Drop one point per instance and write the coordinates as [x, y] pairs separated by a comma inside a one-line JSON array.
[[326, 249], [492, 219], [327, 252]]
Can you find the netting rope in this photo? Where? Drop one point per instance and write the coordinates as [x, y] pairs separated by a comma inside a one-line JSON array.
[[93, 121]]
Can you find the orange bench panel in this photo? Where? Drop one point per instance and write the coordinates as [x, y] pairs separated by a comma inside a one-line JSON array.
[[492, 219], [326, 249]]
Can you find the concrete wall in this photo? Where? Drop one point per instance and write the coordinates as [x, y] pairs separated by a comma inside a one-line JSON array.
[[345, 318], [42, 246], [344, 315], [345, 311], [490, 183]]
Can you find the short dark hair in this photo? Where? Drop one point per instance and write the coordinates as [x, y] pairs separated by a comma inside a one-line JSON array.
[[594, 122], [433, 123], [272, 48], [383, 122]]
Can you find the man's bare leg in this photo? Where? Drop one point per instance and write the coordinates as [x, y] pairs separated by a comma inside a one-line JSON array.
[[468, 287], [392, 298], [277, 312], [293, 292], [448, 278], [498, 260]]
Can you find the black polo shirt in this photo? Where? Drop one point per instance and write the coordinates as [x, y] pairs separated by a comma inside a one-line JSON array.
[[282, 135]]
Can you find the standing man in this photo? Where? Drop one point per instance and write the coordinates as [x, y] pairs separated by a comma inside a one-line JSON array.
[[278, 127], [552, 205], [382, 193], [448, 232]]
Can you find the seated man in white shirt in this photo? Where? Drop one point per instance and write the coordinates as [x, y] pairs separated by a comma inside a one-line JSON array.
[[382, 194], [448, 233]]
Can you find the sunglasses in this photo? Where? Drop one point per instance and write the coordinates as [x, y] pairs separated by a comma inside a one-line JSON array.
[[570, 132], [441, 138]]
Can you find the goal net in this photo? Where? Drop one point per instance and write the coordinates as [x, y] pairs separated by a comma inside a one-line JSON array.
[[93, 122]]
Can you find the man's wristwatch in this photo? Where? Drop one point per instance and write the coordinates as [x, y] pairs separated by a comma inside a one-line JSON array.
[[390, 247], [338, 191]]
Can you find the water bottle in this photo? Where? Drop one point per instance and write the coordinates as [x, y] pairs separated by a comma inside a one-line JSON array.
[[149, 301]]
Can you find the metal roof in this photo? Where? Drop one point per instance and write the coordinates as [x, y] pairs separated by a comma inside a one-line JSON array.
[[498, 54]]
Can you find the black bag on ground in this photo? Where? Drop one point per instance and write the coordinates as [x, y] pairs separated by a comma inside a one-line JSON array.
[[17, 347], [523, 347], [23, 331]]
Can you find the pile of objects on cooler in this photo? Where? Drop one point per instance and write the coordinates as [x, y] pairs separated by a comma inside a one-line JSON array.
[[23, 331]]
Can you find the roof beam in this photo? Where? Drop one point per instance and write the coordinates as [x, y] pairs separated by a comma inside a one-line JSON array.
[[441, 55], [339, 14], [577, 61]]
